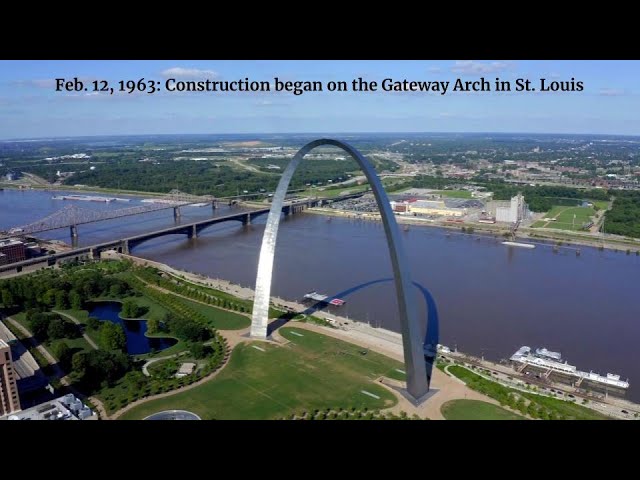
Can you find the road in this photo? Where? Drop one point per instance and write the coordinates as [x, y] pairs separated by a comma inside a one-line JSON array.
[[57, 371]]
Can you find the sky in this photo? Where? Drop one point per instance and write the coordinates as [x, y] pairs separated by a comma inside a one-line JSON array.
[[30, 106]]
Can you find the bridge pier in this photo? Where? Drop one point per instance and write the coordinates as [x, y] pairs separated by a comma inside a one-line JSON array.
[[176, 213], [247, 219], [213, 205], [124, 246], [194, 232], [74, 231]]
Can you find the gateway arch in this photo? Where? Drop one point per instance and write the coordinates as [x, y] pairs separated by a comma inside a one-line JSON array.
[[414, 358]]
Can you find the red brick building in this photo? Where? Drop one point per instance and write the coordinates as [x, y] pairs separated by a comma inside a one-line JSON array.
[[11, 251]]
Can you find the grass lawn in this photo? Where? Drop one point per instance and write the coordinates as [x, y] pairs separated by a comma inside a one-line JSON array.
[[156, 311], [82, 316], [335, 192], [75, 344], [311, 372], [565, 218], [455, 193], [601, 204], [220, 319], [476, 410]]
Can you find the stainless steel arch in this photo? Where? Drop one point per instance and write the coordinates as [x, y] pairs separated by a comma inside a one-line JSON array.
[[417, 384]]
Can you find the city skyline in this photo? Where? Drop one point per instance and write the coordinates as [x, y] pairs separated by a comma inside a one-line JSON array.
[[31, 108]]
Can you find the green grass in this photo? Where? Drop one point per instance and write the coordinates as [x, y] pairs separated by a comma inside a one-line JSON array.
[[336, 192], [601, 204], [455, 193], [313, 371], [218, 318], [179, 347], [475, 410], [565, 218], [82, 316], [22, 320], [568, 410], [75, 344], [155, 310]]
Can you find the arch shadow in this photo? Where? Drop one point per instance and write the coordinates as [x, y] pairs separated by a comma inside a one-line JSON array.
[[432, 321]]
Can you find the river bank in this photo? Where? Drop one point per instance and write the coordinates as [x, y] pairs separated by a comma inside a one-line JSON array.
[[87, 190], [543, 237], [390, 342]]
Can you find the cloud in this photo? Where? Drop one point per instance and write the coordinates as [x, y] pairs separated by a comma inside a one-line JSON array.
[[40, 83], [193, 73], [271, 103], [471, 67], [434, 70], [611, 92]]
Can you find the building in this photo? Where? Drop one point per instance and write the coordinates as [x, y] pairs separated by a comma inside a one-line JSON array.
[[426, 207], [509, 211], [9, 400], [67, 407], [14, 251]]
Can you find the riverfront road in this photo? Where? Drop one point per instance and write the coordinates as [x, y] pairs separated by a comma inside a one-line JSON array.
[[53, 363]]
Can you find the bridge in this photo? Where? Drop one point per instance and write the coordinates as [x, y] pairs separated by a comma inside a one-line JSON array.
[[125, 245], [71, 216]]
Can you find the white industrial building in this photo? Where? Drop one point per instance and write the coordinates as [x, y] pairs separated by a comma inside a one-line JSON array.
[[509, 211]]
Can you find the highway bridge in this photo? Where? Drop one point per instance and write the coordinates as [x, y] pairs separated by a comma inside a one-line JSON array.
[[125, 245], [71, 215]]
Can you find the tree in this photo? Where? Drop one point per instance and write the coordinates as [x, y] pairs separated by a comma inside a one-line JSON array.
[[49, 297], [115, 290], [39, 325], [56, 329], [7, 298], [112, 336], [60, 350], [79, 364], [61, 300], [198, 350], [75, 299], [64, 354], [130, 309], [153, 326], [93, 323]]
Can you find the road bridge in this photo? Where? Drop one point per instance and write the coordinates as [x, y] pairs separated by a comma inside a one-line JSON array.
[[125, 245]]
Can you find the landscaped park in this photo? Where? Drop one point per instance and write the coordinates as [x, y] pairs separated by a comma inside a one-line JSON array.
[[136, 341], [571, 217]]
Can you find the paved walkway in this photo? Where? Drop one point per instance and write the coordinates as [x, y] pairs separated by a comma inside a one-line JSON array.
[[77, 322]]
